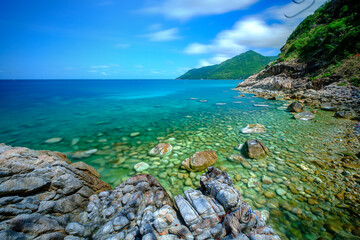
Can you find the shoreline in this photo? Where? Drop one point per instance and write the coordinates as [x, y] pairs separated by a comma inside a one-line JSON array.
[[54, 198]]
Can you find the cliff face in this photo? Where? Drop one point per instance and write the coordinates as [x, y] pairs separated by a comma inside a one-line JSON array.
[[45, 196]]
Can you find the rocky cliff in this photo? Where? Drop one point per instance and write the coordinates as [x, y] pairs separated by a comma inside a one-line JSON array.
[[45, 196], [320, 60]]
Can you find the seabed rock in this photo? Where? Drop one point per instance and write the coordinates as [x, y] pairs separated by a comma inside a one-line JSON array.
[[254, 128], [200, 161], [255, 149], [304, 116], [161, 149]]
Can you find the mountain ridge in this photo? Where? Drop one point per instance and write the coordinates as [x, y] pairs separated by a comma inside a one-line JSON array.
[[238, 67]]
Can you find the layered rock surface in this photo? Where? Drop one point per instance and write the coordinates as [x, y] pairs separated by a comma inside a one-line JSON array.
[[140, 208], [45, 196], [41, 192]]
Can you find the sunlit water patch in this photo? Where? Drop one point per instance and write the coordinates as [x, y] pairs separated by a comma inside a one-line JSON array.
[[123, 120]]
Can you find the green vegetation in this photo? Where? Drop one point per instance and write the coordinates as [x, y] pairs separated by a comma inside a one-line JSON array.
[[327, 40], [238, 67]]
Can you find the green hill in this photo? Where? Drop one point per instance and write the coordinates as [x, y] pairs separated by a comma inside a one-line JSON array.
[[328, 43], [238, 67]]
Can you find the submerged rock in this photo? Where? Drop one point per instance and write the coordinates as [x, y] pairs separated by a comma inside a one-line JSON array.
[[161, 149], [236, 158], [83, 154], [200, 161], [295, 107], [304, 116], [254, 128], [54, 140], [141, 166], [348, 114], [255, 149]]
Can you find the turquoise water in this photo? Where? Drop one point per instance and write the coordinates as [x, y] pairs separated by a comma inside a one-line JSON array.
[[102, 115]]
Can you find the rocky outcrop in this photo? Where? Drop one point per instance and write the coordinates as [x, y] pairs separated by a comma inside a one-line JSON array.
[[295, 107], [140, 208], [200, 161], [45, 196], [41, 192], [288, 80]]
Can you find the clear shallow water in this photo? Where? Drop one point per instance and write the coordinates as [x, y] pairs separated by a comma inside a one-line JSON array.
[[102, 115]]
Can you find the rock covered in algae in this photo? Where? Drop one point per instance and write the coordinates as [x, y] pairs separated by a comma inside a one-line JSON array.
[[140, 208], [254, 128], [304, 116], [161, 149], [200, 161], [255, 149], [295, 107], [41, 192]]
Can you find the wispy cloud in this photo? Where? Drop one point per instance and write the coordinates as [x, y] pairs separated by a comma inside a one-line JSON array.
[[252, 32], [1, 71], [186, 9], [163, 35]]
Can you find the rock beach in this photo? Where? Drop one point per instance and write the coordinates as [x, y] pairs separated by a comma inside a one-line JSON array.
[[56, 199]]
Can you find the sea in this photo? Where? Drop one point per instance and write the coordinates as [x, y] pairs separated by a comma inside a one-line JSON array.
[[119, 121]]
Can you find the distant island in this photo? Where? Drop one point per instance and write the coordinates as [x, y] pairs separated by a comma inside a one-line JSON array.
[[238, 67]]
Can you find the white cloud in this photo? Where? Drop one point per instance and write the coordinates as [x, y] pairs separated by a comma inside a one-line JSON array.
[[93, 71], [253, 32], [139, 66], [163, 35], [104, 73], [186, 9]]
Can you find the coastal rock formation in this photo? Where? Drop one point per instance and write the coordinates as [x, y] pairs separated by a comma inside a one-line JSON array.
[[161, 149], [255, 149], [41, 192], [45, 196], [200, 161], [254, 128], [295, 107], [308, 70], [140, 208]]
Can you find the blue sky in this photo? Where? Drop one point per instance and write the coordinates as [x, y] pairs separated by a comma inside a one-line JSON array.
[[113, 39]]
